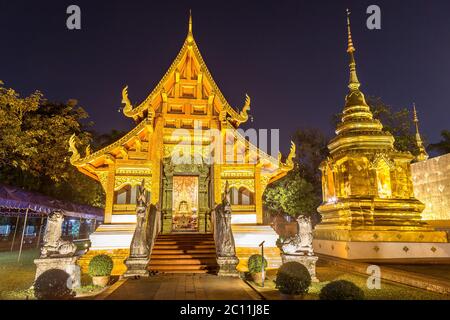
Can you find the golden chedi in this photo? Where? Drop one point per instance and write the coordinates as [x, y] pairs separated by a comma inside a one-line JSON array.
[[369, 209]]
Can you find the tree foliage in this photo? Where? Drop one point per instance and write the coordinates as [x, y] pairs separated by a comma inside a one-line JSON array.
[[292, 195], [300, 192], [443, 146], [399, 123], [34, 154]]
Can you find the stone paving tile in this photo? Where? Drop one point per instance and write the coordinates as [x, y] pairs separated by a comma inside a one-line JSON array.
[[183, 287]]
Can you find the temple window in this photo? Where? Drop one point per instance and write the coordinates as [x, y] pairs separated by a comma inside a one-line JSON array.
[[126, 195], [234, 196], [246, 197], [241, 197]]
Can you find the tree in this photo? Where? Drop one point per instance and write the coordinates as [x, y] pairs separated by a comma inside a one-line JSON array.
[[399, 123], [17, 144], [292, 195], [34, 154], [300, 192], [443, 146], [312, 149]]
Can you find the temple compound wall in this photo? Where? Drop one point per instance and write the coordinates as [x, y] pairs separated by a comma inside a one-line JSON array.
[[431, 179]]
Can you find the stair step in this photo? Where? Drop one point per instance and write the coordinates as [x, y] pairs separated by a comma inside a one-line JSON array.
[[160, 262], [183, 271], [184, 253], [180, 267], [185, 256], [157, 251], [184, 247], [184, 242], [202, 236]]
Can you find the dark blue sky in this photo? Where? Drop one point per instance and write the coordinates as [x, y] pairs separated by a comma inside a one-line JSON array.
[[290, 56]]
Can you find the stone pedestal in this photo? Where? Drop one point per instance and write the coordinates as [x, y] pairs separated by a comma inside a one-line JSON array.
[[66, 264], [227, 266], [308, 261], [136, 267]]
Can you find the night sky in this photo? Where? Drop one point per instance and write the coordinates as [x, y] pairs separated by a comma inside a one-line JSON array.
[[290, 56]]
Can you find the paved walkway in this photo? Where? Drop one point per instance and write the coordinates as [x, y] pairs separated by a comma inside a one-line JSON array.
[[181, 287]]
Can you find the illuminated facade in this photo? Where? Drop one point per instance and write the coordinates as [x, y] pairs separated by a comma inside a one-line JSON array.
[[369, 209], [186, 146]]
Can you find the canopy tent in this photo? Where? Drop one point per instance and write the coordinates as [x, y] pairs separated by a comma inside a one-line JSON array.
[[15, 202]]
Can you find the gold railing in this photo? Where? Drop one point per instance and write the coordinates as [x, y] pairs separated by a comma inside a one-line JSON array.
[[242, 207], [124, 207]]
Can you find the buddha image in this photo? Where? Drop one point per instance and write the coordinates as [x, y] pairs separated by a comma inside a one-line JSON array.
[[183, 208]]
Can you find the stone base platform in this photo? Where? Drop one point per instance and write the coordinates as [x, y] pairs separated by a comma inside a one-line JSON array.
[[374, 251], [66, 264], [136, 267], [308, 261], [227, 266], [112, 236], [247, 238]]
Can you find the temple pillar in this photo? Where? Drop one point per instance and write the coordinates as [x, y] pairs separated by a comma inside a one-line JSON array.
[[109, 190], [258, 196]]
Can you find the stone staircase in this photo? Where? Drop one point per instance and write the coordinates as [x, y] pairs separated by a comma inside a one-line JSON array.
[[184, 253]]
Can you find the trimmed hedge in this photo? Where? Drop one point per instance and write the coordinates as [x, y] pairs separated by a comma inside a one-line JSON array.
[[100, 266], [52, 285], [293, 278], [341, 290]]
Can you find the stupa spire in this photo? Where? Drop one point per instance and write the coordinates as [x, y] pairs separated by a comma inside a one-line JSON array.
[[354, 82], [423, 155]]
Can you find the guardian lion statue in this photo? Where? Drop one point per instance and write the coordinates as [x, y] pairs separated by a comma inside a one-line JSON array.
[[300, 244], [54, 246]]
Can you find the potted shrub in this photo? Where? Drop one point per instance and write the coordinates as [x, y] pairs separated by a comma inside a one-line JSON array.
[[341, 290], [293, 279], [255, 267], [100, 268]]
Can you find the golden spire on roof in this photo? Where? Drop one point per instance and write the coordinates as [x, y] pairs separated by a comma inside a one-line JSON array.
[[350, 48], [354, 82], [423, 155], [190, 36]]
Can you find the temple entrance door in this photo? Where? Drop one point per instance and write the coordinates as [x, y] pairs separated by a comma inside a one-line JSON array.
[[185, 204]]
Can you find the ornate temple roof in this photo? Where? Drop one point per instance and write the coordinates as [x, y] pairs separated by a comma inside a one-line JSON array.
[[189, 50], [188, 60]]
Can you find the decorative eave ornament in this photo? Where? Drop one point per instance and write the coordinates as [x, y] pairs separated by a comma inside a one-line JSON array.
[[73, 148], [289, 164]]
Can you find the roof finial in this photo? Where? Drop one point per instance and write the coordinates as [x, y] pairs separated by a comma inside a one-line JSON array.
[[350, 48], [423, 155], [190, 36], [354, 82]]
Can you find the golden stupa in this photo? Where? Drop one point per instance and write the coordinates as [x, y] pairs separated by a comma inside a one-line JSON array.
[[368, 197]]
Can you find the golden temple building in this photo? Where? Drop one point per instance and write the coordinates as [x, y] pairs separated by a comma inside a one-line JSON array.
[[186, 146], [369, 210]]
